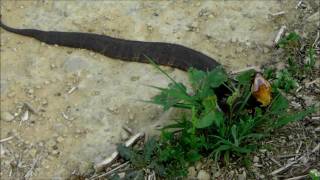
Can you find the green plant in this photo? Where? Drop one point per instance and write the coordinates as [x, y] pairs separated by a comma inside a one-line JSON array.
[[216, 126], [314, 174], [220, 122]]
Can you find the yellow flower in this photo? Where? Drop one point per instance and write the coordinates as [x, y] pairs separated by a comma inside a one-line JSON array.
[[261, 90]]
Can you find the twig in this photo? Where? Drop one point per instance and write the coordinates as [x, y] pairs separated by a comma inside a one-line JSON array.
[[295, 161], [275, 161], [111, 171], [126, 128], [299, 147], [33, 166], [278, 13], [280, 34], [317, 38], [6, 139], [299, 4], [115, 155], [256, 68], [297, 177], [72, 89]]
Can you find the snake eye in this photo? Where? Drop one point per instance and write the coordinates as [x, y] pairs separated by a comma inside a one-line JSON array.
[[261, 90]]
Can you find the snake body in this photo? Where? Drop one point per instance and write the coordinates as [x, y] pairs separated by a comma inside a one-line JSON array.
[[166, 54]]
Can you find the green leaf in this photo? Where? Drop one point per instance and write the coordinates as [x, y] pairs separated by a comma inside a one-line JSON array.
[[245, 78], [218, 120], [217, 76], [210, 103], [205, 121], [235, 135], [287, 118], [232, 99], [196, 77], [279, 104], [149, 148], [193, 156]]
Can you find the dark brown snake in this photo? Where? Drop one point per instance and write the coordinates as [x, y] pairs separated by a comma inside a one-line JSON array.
[[166, 54]]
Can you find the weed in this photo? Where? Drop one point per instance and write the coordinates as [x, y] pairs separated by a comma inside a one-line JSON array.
[[220, 125]]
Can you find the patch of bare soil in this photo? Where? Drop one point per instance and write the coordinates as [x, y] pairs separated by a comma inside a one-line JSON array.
[[63, 110]]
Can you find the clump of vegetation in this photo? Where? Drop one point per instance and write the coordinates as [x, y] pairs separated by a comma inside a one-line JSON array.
[[301, 60], [217, 124], [222, 120]]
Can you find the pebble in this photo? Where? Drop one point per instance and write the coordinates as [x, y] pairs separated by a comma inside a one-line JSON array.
[[203, 175], [295, 105], [192, 172], [60, 139], [7, 116], [255, 159], [308, 100], [242, 176], [198, 165]]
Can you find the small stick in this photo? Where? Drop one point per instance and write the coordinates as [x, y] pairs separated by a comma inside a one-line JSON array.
[[115, 155], [298, 177], [72, 89], [256, 68], [6, 139], [278, 13], [126, 128], [295, 161], [111, 171], [299, 147], [280, 34], [275, 161]]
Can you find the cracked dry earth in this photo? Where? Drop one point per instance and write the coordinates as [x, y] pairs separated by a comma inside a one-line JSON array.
[[64, 109]]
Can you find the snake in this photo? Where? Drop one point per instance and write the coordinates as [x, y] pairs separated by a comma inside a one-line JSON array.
[[162, 53]]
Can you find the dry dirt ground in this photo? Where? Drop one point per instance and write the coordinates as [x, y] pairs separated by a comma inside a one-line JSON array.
[[64, 109]]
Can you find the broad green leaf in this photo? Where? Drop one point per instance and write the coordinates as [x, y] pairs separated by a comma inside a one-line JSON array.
[[280, 103], [217, 76], [210, 103], [218, 120], [287, 118], [231, 99], [245, 77], [205, 121], [196, 77]]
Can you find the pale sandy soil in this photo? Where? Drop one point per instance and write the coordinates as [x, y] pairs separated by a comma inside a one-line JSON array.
[[71, 131]]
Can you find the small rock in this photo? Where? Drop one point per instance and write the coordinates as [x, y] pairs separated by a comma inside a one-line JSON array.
[[60, 139], [7, 116], [295, 105], [55, 152], [198, 166], [192, 172], [308, 100], [242, 176], [255, 159], [262, 150], [122, 175], [262, 176], [239, 49], [203, 175]]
